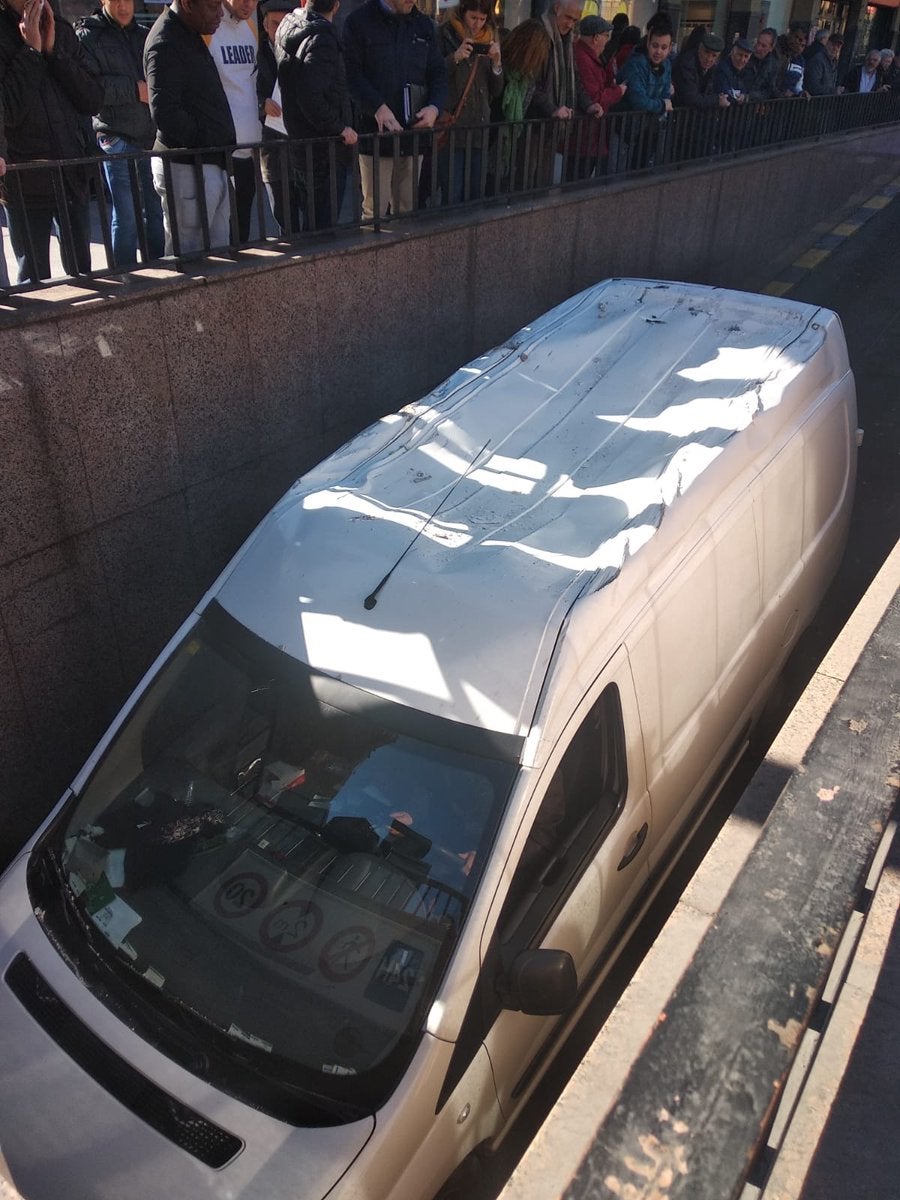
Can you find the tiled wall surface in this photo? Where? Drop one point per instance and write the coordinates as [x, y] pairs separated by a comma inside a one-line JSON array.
[[144, 436]]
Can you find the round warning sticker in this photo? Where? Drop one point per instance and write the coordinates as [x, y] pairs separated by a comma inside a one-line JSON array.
[[240, 894], [291, 926], [347, 953]]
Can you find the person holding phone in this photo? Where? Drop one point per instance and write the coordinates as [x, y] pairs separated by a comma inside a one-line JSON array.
[[46, 89], [471, 51]]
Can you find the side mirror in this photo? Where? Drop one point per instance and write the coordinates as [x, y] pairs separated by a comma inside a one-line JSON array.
[[541, 983]]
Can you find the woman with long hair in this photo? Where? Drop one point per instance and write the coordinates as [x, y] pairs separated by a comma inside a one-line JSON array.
[[471, 51], [526, 50]]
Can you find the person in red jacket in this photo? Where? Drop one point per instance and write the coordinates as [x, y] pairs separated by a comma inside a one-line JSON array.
[[588, 149]]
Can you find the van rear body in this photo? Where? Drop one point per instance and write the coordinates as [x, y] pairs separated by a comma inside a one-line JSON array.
[[321, 905]]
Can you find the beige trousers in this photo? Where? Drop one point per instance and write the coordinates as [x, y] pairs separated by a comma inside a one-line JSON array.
[[398, 181]]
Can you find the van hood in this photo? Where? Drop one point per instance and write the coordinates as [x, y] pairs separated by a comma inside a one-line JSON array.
[[45, 1147]]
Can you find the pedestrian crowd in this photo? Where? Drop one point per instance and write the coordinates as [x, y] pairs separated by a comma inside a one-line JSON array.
[[219, 105]]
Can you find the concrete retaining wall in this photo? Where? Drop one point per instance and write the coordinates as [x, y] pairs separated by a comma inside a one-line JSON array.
[[148, 423]]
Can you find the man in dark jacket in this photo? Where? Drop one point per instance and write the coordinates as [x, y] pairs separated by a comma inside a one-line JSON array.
[[46, 91], [191, 112], [316, 104], [792, 67], [274, 157], [764, 67], [693, 73], [820, 75], [398, 77], [732, 76], [113, 45], [867, 76]]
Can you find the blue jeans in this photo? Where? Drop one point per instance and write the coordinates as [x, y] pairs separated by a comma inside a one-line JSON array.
[[124, 218]]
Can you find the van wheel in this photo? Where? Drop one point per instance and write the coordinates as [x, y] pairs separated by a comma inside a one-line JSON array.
[[468, 1180]]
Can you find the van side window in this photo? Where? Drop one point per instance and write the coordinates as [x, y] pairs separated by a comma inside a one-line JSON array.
[[582, 798]]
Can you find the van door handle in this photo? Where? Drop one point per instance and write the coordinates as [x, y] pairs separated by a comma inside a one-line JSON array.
[[636, 842]]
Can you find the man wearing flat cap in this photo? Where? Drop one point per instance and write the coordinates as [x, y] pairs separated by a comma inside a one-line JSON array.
[[820, 75], [588, 149], [693, 74], [732, 77]]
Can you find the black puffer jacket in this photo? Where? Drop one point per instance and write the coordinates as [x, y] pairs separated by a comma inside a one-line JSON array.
[[311, 72], [116, 56], [187, 100], [45, 99]]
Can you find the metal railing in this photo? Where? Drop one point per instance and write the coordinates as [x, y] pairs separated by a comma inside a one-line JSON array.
[[299, 187]]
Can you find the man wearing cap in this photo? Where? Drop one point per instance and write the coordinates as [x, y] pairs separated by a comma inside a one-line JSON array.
[[599, 82], [693, 74], [820, 77], [732, 79]]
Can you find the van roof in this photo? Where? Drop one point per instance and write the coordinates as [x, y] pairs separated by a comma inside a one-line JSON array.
[[433, 559]]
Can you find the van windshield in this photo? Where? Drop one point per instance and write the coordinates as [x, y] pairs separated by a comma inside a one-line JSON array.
[[287, 857]]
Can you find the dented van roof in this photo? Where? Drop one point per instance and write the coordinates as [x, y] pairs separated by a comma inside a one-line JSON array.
[[433, 559]]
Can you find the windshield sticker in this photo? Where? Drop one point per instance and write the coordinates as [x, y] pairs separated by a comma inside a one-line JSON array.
[[291, 926], [116, 920], [240, 894], [395, 978], [250, 1038], [347, 953], [329, 931]]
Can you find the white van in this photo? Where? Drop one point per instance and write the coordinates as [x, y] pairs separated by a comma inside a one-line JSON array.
[[321, 904]]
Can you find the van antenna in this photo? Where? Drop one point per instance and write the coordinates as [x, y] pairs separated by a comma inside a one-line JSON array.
[[372, 599]]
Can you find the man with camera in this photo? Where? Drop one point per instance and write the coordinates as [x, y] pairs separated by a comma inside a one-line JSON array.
[[397, 76]]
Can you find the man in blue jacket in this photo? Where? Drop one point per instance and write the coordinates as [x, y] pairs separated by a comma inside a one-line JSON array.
[[398, 77], [649, 79]]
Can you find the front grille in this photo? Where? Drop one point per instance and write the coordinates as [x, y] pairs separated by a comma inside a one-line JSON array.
[[165, 1114]]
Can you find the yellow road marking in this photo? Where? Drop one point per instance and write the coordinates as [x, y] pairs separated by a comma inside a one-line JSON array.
[[812, 258]]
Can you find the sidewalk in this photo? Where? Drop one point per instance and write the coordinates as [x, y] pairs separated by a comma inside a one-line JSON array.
[[854, 1096]]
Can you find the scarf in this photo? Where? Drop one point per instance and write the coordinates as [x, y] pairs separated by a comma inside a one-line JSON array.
[[485, 35], [513, 102], [562, 65]]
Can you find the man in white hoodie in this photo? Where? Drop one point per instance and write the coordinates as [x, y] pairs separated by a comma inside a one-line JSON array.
[[234, 47]]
